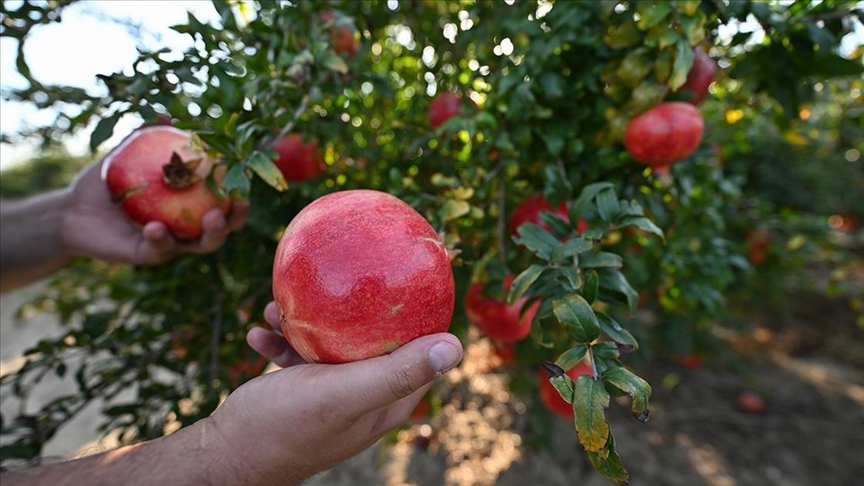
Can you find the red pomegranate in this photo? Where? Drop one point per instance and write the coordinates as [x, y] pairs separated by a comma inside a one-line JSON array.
[[298, 161], [444, 107], [528, 211], [156, 174], [342, 37], [664, 134], [550, 396], [496, 319], [700, 76], [358, 274]]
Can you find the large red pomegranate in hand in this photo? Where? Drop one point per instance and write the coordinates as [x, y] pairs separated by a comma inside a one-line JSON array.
[[496, 319], [358, 274], [298, 161], [444, 107], [550, 396], [664, 134], [528, 211], [156, 174], [700, 76]]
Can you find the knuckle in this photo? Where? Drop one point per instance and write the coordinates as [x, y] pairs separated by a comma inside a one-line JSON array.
[[400, 381]]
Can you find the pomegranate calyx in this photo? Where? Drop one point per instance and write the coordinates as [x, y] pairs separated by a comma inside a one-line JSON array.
[[179, 174]]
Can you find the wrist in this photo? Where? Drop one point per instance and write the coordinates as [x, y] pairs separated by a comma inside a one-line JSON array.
[[31, 238]]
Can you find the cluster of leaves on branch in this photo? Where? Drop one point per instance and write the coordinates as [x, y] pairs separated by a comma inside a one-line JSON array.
[[546, 90]]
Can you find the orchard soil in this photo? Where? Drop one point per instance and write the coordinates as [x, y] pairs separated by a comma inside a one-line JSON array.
[[806, 361]]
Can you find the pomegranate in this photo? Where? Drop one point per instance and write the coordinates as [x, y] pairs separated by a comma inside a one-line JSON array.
[[298, 161], [499, 321], [359, 273], [550, 396], [528, 211], [505, 351], [342, 37], [664, 134], [444, 107], [156, 174], [689, 361], [757, 243], [700, 76], [750, 402]]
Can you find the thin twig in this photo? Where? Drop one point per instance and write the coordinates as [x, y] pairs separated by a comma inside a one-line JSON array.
[[502, 211], [301, 108]]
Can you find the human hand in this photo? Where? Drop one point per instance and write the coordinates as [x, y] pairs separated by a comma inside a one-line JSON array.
[[290, 424], [95, 226]]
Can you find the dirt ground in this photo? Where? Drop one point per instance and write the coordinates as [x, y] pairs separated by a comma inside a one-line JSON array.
[[810, 371]]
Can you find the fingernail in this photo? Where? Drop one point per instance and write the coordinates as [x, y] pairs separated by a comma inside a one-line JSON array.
[[444, 356]]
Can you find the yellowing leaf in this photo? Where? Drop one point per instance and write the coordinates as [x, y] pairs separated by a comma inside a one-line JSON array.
[[795, 138]]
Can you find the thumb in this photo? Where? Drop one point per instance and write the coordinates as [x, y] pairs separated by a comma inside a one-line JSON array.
[[377, 382]]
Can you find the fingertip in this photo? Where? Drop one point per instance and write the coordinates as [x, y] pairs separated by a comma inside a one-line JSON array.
[[157, 236], [214, 221], [155, 231], [271, 315], [445, 354], [261, 340]]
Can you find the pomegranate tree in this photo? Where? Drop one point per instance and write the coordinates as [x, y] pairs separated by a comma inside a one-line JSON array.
[[359, 273], [159, 174]]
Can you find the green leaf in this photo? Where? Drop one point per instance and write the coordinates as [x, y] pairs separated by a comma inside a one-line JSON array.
[[694, 28], [236, 182], [652, 13], [536, 239], [571, 247], [267, 170], [644, 224], [215, 142], [624, 380], [551, 83], [832, 65], [591, 286], [590, 400], [605, 350], [332, 62], [608, 464], [564, 385], [537, 335], [573, 277], [601, 259], [588, 193], [577, 316], [683, 63], [614, 330], [523, 281], [572, 356], [453, 209], [607, 205], [103, 131], [614, 281]]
